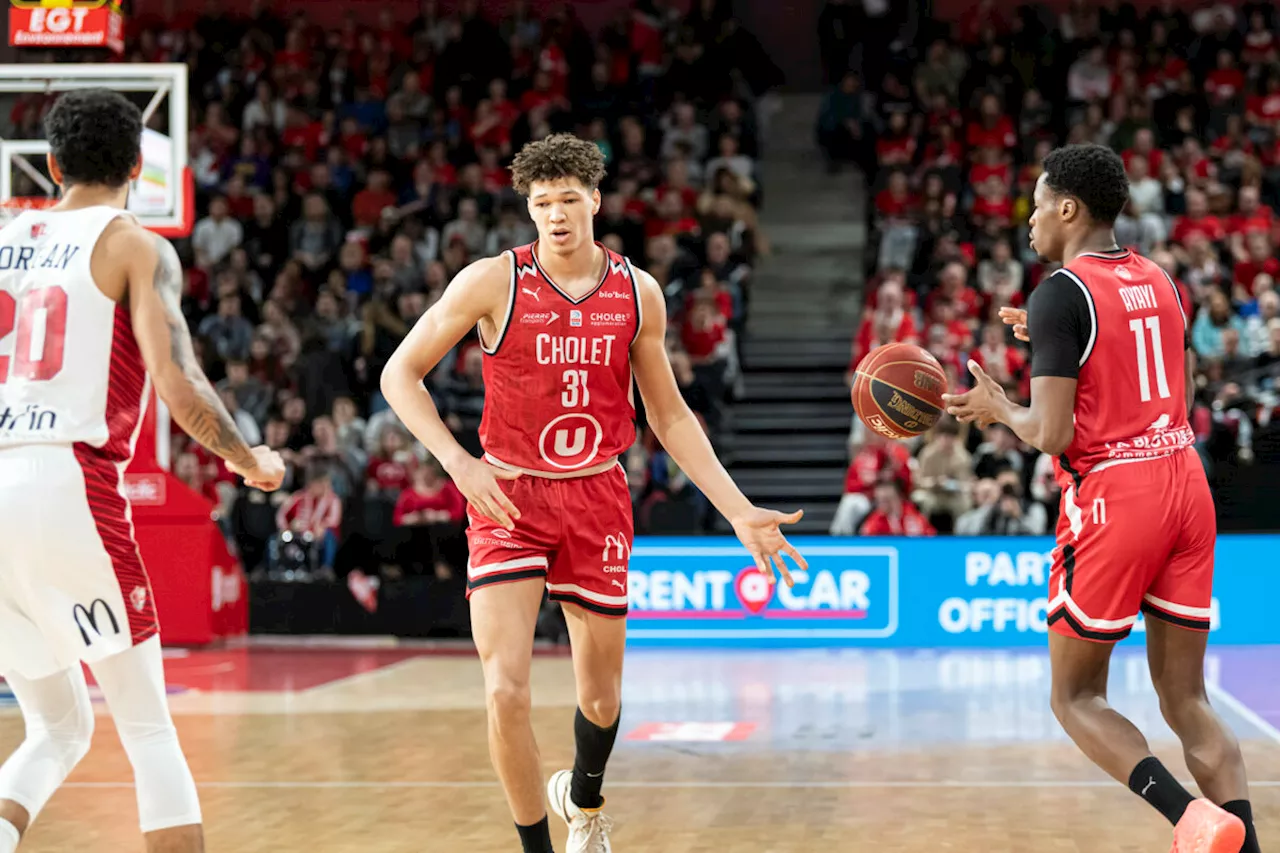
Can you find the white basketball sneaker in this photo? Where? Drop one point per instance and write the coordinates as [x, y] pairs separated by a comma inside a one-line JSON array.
[[588, 828]]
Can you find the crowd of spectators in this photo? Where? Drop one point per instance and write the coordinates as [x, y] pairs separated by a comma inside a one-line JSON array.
[[951, 139], [345, 175]]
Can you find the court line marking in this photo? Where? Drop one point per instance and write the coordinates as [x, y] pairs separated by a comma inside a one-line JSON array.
[[780, 785], [1219, 694]]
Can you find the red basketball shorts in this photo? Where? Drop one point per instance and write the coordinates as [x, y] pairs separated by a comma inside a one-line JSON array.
[[1134, 536], [576, 533]]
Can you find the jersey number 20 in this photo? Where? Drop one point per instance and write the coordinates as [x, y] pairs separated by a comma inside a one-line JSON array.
[[1157, 357], [41, 328]]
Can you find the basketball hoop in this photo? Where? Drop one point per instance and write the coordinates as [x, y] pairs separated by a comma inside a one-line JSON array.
[[11, 207]]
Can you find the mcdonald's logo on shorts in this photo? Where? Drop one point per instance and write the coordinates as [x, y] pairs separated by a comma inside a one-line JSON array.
[[86, 619]]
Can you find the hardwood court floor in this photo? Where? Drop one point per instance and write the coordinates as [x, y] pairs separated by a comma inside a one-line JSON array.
[[384, 751]]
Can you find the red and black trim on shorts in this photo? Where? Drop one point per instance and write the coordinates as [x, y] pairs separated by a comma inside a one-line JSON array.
[[518, 569], [611, 611], [1189, 622], [1063, 614]]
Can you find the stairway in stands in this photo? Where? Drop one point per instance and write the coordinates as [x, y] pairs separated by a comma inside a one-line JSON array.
[[791, 428]]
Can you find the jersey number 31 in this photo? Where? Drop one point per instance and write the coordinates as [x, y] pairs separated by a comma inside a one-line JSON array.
[[41, 326], [1152, 325]]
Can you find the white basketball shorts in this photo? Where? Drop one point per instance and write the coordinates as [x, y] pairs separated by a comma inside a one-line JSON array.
[[72, 584]]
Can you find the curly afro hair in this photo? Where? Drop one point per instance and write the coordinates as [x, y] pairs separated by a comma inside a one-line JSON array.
[[96, 137], [1092, 173], [561, 155]]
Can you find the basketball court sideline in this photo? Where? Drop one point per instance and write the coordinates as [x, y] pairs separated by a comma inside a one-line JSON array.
[[383, 748]]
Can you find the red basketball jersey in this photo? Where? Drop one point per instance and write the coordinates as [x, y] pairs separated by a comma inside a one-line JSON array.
[[1131, 400], [558, 393]]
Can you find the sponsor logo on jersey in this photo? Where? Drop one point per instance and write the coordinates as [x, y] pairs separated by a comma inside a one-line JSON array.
[[575, 318], [138, 598], [616, 294], [610, 318], [37, 230], [570, 440], [540, 317], [86, 619], [532, 292], [31, 420]]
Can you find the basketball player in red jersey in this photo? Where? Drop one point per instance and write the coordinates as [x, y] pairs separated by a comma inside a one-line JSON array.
[[563, 322], [1110, 391], [90, 316]]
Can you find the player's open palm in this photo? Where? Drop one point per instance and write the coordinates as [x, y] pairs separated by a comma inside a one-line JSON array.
[[1016, 317], [760, 531], [478, 482]]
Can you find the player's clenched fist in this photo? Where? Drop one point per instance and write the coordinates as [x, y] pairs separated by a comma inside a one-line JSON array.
[[478, 482], [267, 472]]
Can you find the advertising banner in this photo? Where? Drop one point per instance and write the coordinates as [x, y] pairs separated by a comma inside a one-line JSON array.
[[947, 592]]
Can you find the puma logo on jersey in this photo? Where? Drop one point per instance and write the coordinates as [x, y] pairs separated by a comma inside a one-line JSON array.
[[1161, 422], [533, 293]]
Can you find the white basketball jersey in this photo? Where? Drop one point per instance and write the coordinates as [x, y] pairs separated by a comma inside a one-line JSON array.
[[70, 369]]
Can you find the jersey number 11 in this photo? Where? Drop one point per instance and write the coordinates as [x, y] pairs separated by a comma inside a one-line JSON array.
[[1157, 357]]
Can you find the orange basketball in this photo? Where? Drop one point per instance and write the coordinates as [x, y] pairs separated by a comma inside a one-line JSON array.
[[897, 390]]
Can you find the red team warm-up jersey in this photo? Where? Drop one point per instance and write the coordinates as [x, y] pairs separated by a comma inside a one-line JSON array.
[[1131, 400], [558, 390]]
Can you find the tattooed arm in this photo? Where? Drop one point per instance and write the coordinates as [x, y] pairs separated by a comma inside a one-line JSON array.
[[154, 276]]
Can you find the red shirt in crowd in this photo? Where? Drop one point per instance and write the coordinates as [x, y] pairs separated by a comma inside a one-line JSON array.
[[1264, 107], [701, 343], [316, 514], [999, 135], [444, 504], [890, 205], [389, 474], [1209, 225], [1222, 84], [1011, 362], [967, 302], [367, 206], [1246, 271], [980, 173], [1155, 160], [873, 464], [999, 208], [863, 341], [910, 523], [894, 150], [1260, 220]]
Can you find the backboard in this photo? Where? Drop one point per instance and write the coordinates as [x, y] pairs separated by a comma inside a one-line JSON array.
[[163, 196]]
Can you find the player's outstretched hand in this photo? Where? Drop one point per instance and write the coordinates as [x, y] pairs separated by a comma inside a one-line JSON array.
[[267, 472], [478, 482], [981, 404], [1016, 317], [760, 531]]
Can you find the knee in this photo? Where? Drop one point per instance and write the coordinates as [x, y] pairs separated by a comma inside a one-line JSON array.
[[72, 735], [1066, 701], [602, 707], [508, 700]]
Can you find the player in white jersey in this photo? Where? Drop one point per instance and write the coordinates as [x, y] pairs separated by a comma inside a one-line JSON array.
[[90, 316]]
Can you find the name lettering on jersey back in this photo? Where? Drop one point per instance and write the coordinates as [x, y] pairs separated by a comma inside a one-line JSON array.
[[1139, 298], [574, 349], [55, 256]]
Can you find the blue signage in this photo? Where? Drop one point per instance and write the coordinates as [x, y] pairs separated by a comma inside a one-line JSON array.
[[941, 592]]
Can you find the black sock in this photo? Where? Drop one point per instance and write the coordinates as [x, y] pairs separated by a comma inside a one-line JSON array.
[[536, 838], [593, 747], [1242, 810], [1151, 781]]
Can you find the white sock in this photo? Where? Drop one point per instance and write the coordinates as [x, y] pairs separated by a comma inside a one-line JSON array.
[[9, 837]]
